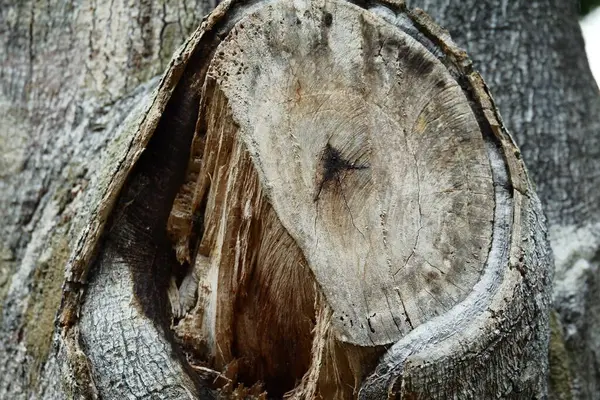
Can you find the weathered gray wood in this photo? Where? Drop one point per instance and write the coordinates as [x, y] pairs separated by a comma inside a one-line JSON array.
[[70, 74], [244, 115], [532, 55], [359, 92], [500, 323]]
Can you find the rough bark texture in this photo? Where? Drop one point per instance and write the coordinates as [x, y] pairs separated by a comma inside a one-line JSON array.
[[321, 92], [71, 75], [533, 58]]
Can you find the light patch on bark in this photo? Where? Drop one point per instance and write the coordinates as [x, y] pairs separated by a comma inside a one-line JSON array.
[[577, 299]]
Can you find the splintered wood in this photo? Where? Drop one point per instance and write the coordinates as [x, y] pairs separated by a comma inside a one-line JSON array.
[[338, 195]]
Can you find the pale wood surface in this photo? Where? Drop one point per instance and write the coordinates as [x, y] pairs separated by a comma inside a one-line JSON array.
[[349, 216]]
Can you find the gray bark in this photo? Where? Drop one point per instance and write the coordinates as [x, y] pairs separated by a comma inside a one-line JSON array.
[[70, 74], [74, 77], [533, 58]]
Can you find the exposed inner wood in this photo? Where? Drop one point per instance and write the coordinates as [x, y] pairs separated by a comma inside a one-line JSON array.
[[256, 307], [339, 195], [256, 298], [371, 157]]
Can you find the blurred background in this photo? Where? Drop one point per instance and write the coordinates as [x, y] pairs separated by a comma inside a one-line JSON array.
[[590, 25]]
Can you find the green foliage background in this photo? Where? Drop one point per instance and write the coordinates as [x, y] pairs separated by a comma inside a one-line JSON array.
[[588, 5]]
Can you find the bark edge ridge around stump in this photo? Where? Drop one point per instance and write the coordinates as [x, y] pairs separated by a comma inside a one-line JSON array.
[[354, 143]]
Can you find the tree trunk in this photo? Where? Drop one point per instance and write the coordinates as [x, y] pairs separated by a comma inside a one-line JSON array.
[[241, 223], [533, 57], [71, 74]]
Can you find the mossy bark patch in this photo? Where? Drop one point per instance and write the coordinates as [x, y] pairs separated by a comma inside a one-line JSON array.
[[43, 303], [6, 266], [560, 378]]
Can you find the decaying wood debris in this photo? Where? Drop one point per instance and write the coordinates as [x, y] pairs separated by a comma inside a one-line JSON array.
[[319, 201]]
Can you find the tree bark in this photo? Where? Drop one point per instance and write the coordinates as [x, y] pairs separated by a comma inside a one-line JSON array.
[[71, 74], [533, 57], [88, 184]]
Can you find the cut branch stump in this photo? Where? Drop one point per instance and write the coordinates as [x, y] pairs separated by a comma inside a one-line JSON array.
[[321, 201]]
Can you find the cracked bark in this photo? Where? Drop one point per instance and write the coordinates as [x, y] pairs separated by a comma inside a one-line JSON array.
[[70, 77], [79, 193], [532, 55]]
